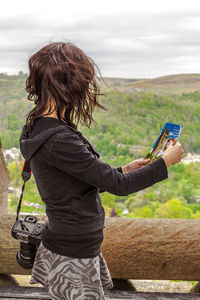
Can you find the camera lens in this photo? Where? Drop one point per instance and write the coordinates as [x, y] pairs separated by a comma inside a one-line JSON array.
[[25, 257], [37, 230]]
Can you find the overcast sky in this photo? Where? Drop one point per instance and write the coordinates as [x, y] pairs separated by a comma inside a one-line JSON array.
[[133, 39]]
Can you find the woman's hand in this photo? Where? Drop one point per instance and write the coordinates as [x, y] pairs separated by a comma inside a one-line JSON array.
[[135, 164], [173, 154]]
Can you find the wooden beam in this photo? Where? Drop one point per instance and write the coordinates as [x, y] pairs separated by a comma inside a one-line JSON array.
[[116, 295], [19, 292], [4, 182], [162, 249], [7, 292]]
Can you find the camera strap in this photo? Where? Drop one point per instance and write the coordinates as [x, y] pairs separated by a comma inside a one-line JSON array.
[[26, 175]]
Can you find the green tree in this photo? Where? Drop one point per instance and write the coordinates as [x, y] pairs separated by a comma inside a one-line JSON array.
[[173, 209], [144, 212]]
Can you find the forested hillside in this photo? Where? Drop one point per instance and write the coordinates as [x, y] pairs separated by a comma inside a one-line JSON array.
[[133, 120], [127, 130], [13, 106]]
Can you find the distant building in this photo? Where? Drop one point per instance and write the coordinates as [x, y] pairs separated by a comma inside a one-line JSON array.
[[191, 157], [11, 154], [11, 189], [125, 211]]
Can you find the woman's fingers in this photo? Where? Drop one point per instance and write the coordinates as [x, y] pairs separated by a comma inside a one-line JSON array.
[[143, 160], [173, 154]]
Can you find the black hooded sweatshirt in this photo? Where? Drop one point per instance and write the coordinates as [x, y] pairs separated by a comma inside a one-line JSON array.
[[69, 176]]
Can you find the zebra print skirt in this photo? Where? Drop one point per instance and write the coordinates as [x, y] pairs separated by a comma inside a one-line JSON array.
[[70, 278]]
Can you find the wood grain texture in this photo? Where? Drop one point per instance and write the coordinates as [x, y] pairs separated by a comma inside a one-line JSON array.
[[162, 249], [42, 293], [4, 183]]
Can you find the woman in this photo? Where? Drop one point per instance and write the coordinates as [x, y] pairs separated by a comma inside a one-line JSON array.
[[69, 174]]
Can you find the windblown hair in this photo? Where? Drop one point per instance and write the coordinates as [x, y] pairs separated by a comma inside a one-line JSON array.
[[62, 72]]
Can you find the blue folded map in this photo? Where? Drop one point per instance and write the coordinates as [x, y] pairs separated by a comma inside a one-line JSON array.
[[169, 132]]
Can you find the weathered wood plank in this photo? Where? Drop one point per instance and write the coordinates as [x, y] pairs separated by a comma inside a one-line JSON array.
[[149, 296], [161, 249], [4, 182], [16, 292], [23, 292]]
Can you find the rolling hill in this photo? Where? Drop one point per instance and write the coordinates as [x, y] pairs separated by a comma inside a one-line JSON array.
[[170, 84], [137, 111]]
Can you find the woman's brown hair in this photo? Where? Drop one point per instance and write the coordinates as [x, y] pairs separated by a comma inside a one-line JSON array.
[[61, 71]]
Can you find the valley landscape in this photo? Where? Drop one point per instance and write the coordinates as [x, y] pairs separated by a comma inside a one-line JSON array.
[[137, 110]]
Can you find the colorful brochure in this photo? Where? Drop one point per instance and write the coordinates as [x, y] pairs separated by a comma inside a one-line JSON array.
[[169, 132]]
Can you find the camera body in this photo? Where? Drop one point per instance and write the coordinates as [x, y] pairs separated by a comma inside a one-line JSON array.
[[28, 232]]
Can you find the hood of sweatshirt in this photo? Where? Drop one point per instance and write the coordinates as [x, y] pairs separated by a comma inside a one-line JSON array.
[[43, 129]]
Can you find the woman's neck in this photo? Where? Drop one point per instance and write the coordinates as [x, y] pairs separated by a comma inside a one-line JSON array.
[[53, 114]]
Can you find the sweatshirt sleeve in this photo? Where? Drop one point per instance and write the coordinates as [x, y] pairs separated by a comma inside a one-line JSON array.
[[71, 155], [119, 169]]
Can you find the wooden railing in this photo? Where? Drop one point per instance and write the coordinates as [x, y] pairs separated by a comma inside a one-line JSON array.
[[133, 248], [4, 182]]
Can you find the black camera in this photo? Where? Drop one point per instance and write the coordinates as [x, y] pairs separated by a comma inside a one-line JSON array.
[[28, 232]]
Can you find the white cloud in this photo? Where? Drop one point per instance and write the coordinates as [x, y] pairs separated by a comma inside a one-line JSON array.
[[125, 38]]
